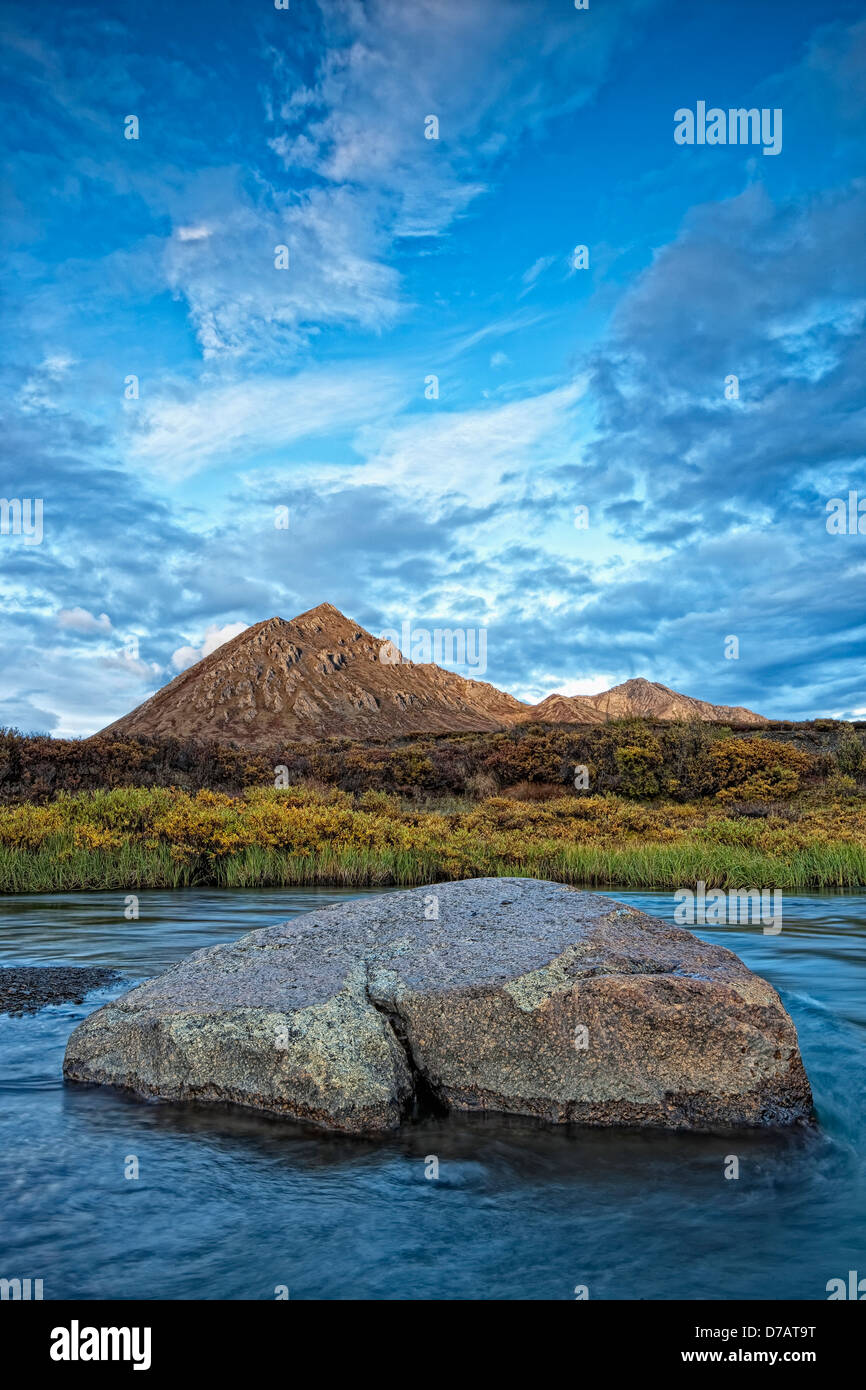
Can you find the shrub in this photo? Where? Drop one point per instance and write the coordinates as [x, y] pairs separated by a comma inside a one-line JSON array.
[[851, 755], [632, 757], [533, 791], [639, 765], [758, 769]]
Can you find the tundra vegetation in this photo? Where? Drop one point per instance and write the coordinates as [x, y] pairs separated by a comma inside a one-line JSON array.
[[664, 806]]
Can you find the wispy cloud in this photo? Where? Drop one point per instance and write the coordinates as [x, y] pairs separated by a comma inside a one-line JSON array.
[[472, 453], [240, 420], [537, 268]]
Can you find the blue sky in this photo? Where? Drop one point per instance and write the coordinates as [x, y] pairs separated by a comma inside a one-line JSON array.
[[410, 257]]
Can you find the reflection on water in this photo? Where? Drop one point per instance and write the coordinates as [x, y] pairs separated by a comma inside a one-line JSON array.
[[229, 1205]]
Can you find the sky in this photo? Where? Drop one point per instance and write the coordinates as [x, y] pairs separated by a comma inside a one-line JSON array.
[[299, 342]]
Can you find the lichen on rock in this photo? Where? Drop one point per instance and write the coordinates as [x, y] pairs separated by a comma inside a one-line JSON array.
[[520, 996]]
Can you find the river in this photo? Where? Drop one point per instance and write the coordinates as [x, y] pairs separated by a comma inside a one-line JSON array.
[[234, 1206]]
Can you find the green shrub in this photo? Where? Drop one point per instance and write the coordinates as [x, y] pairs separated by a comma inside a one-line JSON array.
[[851, 755]]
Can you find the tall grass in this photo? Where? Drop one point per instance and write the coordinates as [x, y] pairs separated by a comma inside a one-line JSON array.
[[55, 867]]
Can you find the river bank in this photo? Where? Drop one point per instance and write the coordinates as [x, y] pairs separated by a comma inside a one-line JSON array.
[[136, 838]]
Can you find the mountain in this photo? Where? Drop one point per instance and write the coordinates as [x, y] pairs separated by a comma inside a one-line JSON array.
[[641, 697], [320, 675], [317, 675]]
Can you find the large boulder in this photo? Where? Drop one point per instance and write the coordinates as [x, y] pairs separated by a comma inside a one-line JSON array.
[[508, 995]]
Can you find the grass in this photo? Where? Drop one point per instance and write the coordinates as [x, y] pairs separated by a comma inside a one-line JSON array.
[[132, 838]]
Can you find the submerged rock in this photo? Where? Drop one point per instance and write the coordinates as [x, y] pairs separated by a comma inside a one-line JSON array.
[[24, 989], [509, 995]]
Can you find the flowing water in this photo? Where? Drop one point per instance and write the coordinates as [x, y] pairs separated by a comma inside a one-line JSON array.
[[230, 1205]]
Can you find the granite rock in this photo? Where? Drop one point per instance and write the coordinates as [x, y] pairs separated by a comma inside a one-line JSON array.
[[510, 995]]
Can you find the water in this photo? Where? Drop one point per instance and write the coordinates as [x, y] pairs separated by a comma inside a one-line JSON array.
[[230, 1205]]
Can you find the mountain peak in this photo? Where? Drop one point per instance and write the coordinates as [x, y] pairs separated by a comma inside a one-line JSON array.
[[321, 675], [317, 675], [321, 610], [642, 698]]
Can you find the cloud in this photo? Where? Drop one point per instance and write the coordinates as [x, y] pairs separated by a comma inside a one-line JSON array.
[[706, 515], [339, 170], [214, 637], [21, 713], [519, 323], [388, 66], [79, 620], [472, 453], [835, 66], [193, 233], [355, 138], [242, 303], [588, 685], [744, 288], [40, 390], [548, 683], [127, 665], [537, 268], [177, 436]]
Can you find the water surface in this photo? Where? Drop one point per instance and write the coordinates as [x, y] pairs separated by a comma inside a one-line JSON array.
[[229, 1205]]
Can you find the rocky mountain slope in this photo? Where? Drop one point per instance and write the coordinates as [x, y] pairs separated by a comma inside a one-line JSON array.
[[641, 697], [318, 675], [321, 675]]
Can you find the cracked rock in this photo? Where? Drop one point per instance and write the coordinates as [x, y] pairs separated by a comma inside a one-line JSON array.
[[521, 997]]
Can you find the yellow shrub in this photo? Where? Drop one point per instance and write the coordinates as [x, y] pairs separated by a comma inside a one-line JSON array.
[[757, 769], [27, 827]]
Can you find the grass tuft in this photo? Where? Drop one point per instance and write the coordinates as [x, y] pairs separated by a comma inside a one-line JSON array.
[[135, 837]]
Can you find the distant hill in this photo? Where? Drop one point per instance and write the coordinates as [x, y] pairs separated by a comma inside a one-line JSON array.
[[320, 675], [638, 697]]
